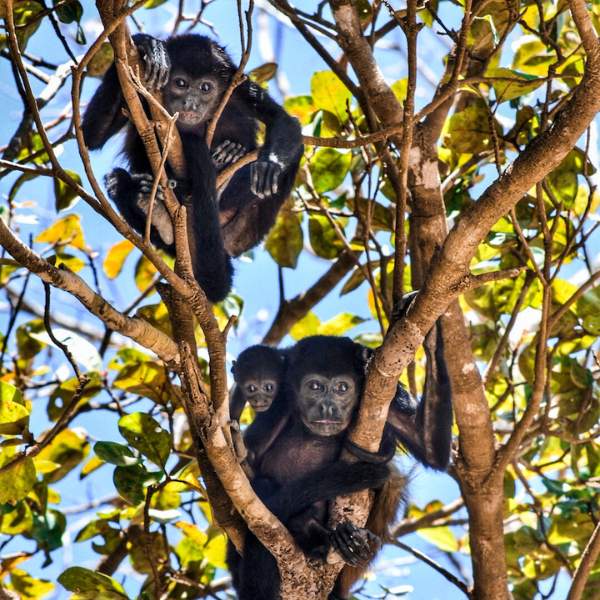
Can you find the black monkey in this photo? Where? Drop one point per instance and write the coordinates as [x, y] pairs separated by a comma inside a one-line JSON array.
[[194, 72], [302, 470], [259, 374], [411, 422], [325, 378]]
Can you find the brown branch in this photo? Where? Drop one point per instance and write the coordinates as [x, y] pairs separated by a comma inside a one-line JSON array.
[[589, 558], [136, 329]]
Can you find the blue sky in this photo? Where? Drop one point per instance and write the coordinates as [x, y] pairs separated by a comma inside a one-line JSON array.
[[255, 280]]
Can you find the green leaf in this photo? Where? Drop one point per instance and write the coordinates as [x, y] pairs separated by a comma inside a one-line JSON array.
[[18, 480], [145, 379], [146, 435], [330, 94], [17, 519], [90, 585], [301, 107], [68, 12], [49, 528], [468, 131], [285, 240], [328, 168], [442, 537], [214, 552], [65, 196], [14, 410], [101, 61], [132, 481], [116, 454], [323, 237], [507, 90]]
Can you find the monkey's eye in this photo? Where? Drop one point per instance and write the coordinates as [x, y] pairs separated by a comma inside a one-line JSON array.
[[268, 387], [341, 387], [251, 388], [314, 385], [206, 87], [180, 83]]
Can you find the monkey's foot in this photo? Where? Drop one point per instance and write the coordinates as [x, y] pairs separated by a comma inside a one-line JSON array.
[[264, 178], [160, 217], [157, 65], [355, 545], [227, 153]]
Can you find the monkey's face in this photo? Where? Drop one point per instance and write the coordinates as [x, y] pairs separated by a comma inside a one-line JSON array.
[[326, 404], [194, 98], [260, 392]]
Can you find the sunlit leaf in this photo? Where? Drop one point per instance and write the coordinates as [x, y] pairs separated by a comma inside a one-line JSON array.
[[328, 168], [14, 410], [114, 453], [340, 324], [324, 239], [285, 240], [90, 585], [67, 449], [301, 107], [17, 480], [81, 350], [115, 258], [330, 94], [263, 73], [520, 84], [29, 587], [308, 325], [65, 196], [64, 232], [147, 436], [442, 537]]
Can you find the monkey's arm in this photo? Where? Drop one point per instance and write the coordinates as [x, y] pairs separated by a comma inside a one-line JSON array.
[[104, 116], [426, 431], [283, 142]]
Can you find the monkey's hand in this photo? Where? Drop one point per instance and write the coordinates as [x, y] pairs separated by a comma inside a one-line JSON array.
[[355, 545], [226, 153], [157, 65], [264, 178], [160, 216]]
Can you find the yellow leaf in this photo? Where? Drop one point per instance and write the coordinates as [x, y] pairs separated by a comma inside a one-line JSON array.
[[115, 258], [64, 232]]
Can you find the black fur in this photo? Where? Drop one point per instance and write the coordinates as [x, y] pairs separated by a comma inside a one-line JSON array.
[[301, 471], [219, 225]]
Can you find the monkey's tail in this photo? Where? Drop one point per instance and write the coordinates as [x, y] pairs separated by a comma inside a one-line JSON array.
[[327, 483]]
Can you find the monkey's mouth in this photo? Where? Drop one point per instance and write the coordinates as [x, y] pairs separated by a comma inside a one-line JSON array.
[[189, 118], [261, 407]]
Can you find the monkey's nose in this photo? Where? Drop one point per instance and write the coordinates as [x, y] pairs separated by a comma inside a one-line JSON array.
[[327, 410]]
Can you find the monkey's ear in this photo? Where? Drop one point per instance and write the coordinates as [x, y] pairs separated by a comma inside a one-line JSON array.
[[233, 368]]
